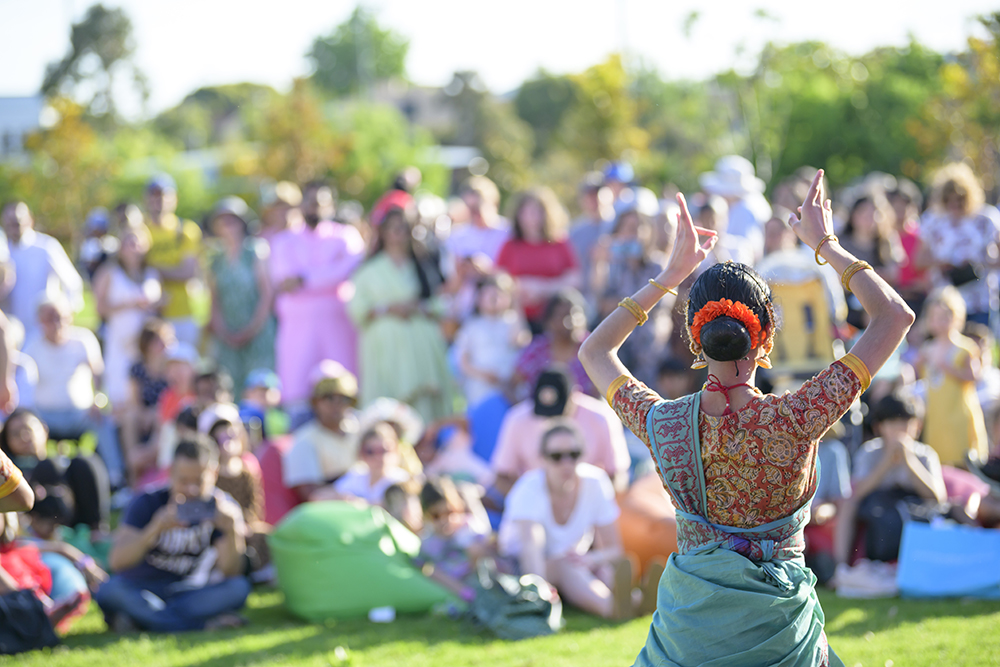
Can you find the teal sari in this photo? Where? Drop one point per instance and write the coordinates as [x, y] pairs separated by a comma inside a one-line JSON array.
[[729, 596]]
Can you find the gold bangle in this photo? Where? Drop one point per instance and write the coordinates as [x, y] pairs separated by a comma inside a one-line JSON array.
[[666, 290], [629, 304], [828, 237], [859, 265]]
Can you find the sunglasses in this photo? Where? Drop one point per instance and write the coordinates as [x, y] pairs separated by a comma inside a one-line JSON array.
[[572, 455], [374, 452]]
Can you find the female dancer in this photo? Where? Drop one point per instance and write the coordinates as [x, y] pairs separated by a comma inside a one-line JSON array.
[[740, 466]]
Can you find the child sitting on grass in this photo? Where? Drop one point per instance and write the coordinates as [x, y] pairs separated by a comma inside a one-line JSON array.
[[453, 540]]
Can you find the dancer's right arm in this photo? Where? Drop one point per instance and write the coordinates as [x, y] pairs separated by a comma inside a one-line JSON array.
[[890, 317]]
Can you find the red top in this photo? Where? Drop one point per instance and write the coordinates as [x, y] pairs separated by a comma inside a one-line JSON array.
[[538, 260], [909, 238], [172, 403], [23, 562]]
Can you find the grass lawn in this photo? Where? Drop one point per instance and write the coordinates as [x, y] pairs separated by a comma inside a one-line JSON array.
[[875, 633]]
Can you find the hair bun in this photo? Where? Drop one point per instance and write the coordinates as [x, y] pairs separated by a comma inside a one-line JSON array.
[[725, 339]]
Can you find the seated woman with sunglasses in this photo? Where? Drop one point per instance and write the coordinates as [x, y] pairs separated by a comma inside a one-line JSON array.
[[555, 514], [377, 470], [740, 466]]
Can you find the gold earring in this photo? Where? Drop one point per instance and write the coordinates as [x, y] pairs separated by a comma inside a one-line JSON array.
[[765, 361], [699, 362]]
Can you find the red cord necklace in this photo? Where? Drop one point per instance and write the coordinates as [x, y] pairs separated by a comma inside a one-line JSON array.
[[714, 384]]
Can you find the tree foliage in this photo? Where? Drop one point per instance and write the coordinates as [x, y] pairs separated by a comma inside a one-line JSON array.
[[359, 146], [492, 125], [962, 121], [806, 103], [217, 114], [602, 125], [542, 102], [356, 54], [101, 49]]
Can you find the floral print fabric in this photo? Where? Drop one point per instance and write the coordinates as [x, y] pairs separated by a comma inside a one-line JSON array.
[[758, 463]]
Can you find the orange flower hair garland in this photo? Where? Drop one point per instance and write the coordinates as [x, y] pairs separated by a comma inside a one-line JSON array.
[[736, 310]]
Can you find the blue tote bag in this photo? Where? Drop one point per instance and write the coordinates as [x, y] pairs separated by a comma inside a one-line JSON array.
[[949, 561]]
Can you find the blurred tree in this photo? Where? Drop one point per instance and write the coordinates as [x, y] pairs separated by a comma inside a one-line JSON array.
[[491, 125], [360, 147], [217, 114], [378, 145], [602, 125], [542, 102], [70, 169], [964, 116], [297, 142], [356, 54], [101, 47], [688, 127], [808, 104]]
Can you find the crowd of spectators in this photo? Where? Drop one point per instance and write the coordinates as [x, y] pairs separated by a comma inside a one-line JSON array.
[[423, 359]]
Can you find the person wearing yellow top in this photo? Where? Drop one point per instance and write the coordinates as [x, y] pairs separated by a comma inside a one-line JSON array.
[[949, 363], [174, 253], [15, 492]]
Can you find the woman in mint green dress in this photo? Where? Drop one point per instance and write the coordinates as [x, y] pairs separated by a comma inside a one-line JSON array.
[[402, 352], [740, 466], [242, 325]]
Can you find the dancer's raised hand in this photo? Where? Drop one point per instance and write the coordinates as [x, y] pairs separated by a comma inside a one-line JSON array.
[[815, 219], [689, 250]]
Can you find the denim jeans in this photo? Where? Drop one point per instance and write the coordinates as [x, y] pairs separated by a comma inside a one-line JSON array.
[[75, 422], [178, 611]]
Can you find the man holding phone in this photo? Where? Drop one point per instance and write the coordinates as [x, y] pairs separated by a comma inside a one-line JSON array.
[[171, 548]]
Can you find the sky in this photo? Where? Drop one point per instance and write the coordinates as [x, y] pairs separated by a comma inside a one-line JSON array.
[[185, 44]]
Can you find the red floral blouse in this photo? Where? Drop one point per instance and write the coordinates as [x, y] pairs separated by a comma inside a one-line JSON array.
[[760, 461]]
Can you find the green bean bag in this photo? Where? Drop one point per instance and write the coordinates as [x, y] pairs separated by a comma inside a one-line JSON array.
[[338, 560]]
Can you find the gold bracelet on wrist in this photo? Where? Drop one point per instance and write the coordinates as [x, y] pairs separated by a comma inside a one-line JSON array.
[[828, 237], [629, 304], [666, 290], [859, 265]]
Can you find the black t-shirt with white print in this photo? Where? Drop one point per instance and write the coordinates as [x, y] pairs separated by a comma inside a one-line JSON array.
[[182, 554]]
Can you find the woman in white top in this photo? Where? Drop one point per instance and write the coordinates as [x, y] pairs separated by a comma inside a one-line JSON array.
[[378, 469], [127, 292], [553, 516]]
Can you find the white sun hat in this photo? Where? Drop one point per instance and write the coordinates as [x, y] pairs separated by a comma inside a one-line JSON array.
[[734, 176]]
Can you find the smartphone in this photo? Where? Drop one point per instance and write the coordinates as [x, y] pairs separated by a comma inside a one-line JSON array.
[[195, 511]]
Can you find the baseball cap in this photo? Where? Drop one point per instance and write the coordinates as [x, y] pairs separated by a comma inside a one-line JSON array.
[[619, 171], [162, 182], [331, 377], [262, 377], [97, 219], [552, 392]]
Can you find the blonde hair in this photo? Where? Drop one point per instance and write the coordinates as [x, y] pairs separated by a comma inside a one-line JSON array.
[[485, 188], [949, 297], [957, 178]]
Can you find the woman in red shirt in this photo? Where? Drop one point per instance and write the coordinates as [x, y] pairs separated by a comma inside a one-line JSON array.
[[538, 255]]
